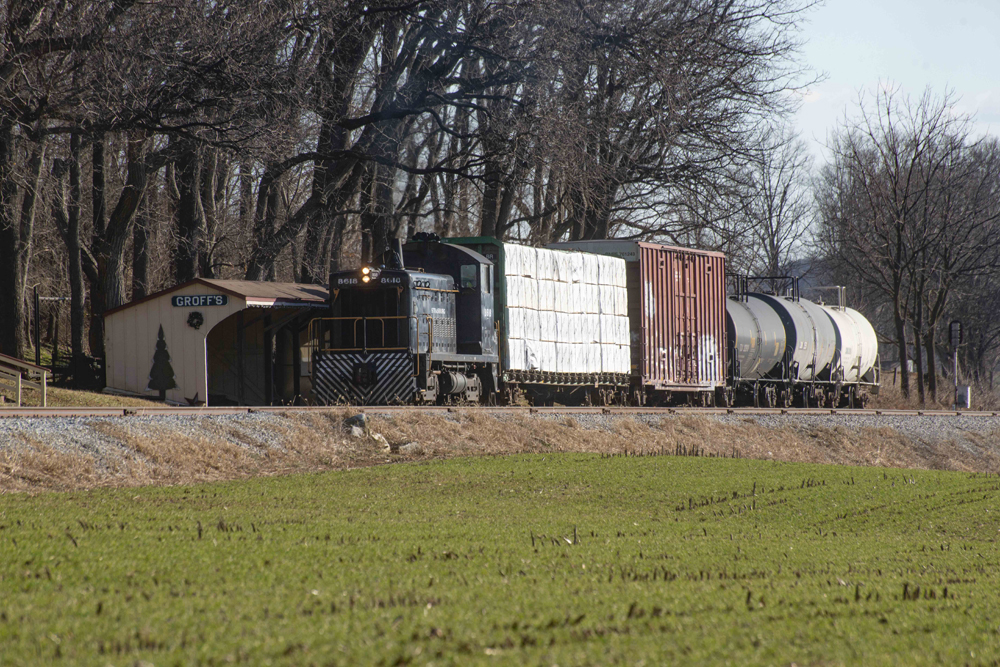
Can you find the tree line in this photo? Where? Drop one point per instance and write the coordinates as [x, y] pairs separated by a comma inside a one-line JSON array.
[[146, 144], [908, 212], [143, 144]]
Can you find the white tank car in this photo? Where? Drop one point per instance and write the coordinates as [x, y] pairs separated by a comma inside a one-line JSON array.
[[788, 341], [856, 344]]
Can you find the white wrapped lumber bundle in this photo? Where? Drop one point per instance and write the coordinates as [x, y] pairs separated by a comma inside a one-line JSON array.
[[566, 311]]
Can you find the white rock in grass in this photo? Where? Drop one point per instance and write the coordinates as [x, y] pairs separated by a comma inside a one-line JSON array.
[[380, 439], [411, 448], [355, 423]]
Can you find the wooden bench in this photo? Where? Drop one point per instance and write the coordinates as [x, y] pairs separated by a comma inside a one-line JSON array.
[[17, 375]]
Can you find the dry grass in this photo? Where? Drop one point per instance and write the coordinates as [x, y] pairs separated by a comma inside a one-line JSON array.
[[144, 453], [891, 398], [58, 397]]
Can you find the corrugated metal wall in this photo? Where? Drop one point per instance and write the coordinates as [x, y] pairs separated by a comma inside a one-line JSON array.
[[677, 308]]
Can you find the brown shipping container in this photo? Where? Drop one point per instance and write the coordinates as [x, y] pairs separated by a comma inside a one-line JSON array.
[[677, 313]]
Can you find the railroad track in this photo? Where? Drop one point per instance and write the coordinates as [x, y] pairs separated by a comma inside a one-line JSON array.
[[180, 411]]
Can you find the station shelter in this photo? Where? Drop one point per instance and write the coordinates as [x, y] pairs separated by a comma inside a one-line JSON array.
[[215, 342]]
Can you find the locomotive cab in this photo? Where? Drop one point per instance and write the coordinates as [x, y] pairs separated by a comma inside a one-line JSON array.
[[473, 276]]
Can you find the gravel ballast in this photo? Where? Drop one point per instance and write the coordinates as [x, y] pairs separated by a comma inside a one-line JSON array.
[[83, 452]]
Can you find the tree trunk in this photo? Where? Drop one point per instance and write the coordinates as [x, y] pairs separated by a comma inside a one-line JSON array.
[[918, 354], [15, 248], [931, 364], [109, 250], [98, 210], [383, 228], [904, 374], [77, 287], [210, 177], [189, 219], [140, 249], [312, 253], [336, 245], [491, 201], [10, 340]]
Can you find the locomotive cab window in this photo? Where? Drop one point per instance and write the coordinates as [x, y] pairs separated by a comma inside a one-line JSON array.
[[468, 276], [487, 278]]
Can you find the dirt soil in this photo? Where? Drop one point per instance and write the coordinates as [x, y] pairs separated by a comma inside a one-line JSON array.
[[121, 453]]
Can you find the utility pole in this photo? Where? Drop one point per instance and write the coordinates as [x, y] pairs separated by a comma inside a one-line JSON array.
[[955, 338], [38, 333]]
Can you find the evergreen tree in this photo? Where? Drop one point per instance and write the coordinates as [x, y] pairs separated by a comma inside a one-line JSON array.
[[161, 375]]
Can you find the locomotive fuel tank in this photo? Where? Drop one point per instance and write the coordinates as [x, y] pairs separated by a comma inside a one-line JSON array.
[[756, 337]]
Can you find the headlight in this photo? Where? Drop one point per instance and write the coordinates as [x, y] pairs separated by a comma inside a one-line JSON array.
[[365, 279], [366, 271]]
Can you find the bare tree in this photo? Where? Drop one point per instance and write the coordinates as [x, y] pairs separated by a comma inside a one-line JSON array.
[[778, 202], [661, 98], [38, 43], [882, 198]]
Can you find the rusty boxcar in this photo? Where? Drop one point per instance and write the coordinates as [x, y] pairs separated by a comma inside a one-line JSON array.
[[677, 320]]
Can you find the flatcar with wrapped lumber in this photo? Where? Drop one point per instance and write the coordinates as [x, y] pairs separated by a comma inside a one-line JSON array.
[[562, 319], [676, 319]]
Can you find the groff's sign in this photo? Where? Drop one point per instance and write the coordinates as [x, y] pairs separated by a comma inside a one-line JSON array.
[[199, 300]]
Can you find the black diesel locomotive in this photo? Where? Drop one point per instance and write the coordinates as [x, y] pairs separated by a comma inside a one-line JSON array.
[[413, 331]]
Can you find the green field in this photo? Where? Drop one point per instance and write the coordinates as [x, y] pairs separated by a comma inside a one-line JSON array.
[[537, 560]]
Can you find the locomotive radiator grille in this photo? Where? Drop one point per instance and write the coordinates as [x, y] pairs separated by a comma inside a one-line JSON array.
[[444, 333], [354, 378]]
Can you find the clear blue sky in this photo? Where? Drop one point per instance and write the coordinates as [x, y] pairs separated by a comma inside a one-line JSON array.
[[912, 44]]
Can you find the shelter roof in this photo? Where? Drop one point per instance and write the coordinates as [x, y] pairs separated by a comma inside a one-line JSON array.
[[257, 294]]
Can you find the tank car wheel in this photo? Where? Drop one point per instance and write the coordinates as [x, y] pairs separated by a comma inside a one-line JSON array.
[[771, 396], [831, 398], [851, 397]]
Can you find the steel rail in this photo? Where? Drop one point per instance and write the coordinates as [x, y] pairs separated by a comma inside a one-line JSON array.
[[183, 411]]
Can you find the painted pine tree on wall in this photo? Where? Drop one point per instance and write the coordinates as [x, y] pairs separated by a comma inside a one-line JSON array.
[[161, 375]]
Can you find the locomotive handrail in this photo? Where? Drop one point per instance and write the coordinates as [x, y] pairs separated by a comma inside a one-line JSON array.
[[316, 335]]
